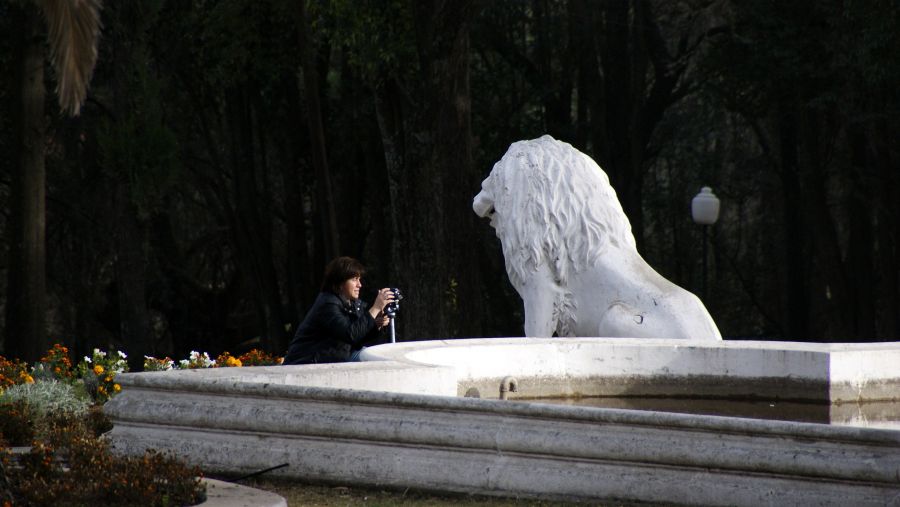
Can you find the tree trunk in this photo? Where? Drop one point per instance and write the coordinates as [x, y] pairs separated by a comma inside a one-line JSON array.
[[428, 155], [325, 199], [829, 284], [860, 262], [252, 231], [888, 231], [26, 333], [590, 89], [389, 109], [452, 162], [298, 263], [630, 104], [131, 280], [796, 293]]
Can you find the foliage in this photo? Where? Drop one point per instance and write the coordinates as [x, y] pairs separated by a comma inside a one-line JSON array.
[[70, 466], [53, 385], [16, 422], [227, 360], [255, 357], [258, 357], [60, 416], [196, 360], [98, 373], [13, 372], [378, 35], [47, 397], [97, 421], [55, 365], [154, 364]]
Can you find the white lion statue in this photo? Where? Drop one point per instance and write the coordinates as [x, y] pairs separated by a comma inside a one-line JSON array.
[[571, 255]]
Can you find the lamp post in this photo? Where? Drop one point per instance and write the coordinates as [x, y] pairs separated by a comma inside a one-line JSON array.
[[705, 212]]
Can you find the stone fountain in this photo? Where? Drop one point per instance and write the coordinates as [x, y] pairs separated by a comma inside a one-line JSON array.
[[427, 415]]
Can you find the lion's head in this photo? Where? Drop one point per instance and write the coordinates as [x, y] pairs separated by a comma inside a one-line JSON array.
[[551, 204]]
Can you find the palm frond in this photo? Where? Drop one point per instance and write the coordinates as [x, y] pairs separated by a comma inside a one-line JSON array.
[[73, 32]]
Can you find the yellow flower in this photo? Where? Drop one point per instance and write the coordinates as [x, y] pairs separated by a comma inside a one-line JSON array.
[[101, 390], [98, 370], [117, 387], [232, 361], [29, 379]]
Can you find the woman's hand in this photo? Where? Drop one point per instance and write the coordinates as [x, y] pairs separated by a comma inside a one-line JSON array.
[[382, 320], [384, 297]]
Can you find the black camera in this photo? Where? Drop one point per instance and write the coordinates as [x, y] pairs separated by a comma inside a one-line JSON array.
[[394, 305]]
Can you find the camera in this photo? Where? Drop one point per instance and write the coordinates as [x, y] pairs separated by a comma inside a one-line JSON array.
[[394, 305]]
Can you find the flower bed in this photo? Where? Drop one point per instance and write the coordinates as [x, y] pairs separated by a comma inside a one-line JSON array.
[[54, 409], [202, 360]]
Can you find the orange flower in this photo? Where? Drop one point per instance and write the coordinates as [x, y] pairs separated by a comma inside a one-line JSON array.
[[98, 370]]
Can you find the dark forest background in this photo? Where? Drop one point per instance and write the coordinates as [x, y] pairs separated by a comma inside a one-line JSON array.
[[227, 149]]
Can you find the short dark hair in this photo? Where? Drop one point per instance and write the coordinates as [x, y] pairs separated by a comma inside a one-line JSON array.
[[340, 270]]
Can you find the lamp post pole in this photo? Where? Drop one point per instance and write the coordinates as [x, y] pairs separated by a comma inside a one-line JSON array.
[[705, 212]]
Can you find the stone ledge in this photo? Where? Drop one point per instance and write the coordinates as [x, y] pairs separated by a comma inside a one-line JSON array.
[[377, 424], [815, 372], [228, 494]]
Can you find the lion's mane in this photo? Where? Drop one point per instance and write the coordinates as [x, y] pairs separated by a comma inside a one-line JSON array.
[[554, 206]]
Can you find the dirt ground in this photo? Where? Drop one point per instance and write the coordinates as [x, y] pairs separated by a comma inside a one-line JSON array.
[[317, 495]]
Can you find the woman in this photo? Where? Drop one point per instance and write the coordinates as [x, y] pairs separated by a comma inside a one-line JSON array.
[[337, 326]]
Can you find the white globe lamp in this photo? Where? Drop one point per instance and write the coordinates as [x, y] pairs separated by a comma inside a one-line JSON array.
[[705, 211]]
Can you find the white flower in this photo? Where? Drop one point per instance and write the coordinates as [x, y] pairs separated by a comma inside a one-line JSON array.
[[122, 355], [184, 363], [87, 359]]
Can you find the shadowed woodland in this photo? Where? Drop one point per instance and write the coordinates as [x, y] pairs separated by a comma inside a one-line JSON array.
[[225, 150]]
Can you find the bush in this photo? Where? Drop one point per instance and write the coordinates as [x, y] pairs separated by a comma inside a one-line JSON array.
[[99, 371], [56, 365], [258, 357], [16, 423], [45, 397], [57, 410], [12, 373], [97, 422], [196, 359], [70, 466]]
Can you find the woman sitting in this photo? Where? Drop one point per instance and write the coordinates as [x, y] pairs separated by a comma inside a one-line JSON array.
[[337, 327]]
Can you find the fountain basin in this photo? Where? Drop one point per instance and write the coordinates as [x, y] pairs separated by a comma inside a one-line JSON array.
[[397, 420]]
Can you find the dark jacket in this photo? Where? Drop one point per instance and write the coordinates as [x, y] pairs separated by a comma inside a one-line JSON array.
[[331, 331]]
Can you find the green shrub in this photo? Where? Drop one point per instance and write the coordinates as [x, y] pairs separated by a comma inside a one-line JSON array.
[[46, 397]]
